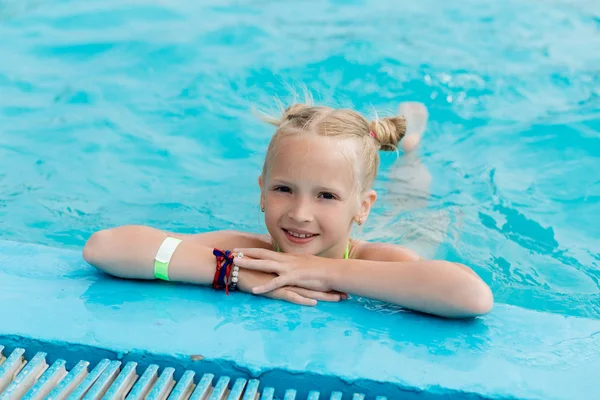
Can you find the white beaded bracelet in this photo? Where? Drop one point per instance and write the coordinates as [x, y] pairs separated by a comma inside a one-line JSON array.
[[234, 278]]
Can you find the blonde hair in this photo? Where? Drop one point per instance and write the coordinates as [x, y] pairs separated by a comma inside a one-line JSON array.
[[344, 124]]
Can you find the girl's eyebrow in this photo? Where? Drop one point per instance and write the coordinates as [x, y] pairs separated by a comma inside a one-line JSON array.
[[329, 189], [280, 182]]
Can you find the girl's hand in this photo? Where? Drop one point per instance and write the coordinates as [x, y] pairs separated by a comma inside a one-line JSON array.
[[308, 272], [250, 279]]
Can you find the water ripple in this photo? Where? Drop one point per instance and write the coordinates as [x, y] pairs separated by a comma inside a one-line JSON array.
[[140, 112]]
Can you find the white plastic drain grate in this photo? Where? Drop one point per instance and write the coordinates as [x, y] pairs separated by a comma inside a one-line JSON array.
[[34, 379]]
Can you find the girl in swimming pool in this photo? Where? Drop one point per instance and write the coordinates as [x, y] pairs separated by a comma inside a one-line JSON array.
[[316, 182]]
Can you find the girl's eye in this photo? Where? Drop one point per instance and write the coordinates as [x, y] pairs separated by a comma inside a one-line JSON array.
[[282, 189], [327, 196]]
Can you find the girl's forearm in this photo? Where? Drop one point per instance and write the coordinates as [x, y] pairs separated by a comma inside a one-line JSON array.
[[436, 287], [129, 251]]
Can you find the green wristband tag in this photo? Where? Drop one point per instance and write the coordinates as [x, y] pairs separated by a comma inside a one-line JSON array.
[[161, 270], [163, 257]]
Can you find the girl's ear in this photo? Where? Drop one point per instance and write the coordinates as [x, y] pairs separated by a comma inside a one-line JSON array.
[[366, 204], [260, 182], [262, 197]]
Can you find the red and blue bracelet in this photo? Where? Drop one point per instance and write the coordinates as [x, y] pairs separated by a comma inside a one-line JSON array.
[[226, 273]]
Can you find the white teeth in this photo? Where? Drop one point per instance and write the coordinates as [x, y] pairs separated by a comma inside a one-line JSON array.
[[300, 235]]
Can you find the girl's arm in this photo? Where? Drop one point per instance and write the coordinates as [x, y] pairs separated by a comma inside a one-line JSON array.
[[456, 287], [129, 251], [436, 287]]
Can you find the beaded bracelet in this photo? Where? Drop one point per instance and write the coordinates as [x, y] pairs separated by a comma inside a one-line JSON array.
[[234, 278]]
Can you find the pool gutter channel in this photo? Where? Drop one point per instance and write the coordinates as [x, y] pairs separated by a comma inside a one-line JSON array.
[[36, 378]]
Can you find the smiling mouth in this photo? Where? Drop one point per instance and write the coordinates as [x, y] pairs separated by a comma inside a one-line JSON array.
[[300, 236]]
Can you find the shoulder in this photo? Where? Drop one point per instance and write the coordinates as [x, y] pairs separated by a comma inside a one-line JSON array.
[[382, 252], [228, 239]]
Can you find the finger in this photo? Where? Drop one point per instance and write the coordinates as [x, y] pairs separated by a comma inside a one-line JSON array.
[[343, 295], [315, 294], [254, 252], [259, 265], [296, 298], [286, 294], [273, 284]]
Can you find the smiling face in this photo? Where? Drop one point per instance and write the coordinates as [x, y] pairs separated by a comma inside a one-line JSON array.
[[310, 196]]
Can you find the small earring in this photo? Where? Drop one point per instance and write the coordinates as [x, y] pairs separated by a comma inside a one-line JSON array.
[[262, 207], [358, 221]]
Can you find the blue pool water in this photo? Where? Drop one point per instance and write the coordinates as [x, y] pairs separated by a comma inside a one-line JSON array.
[[139, 111]]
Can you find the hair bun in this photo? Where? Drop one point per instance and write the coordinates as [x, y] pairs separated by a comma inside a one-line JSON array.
[[388, 131]]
